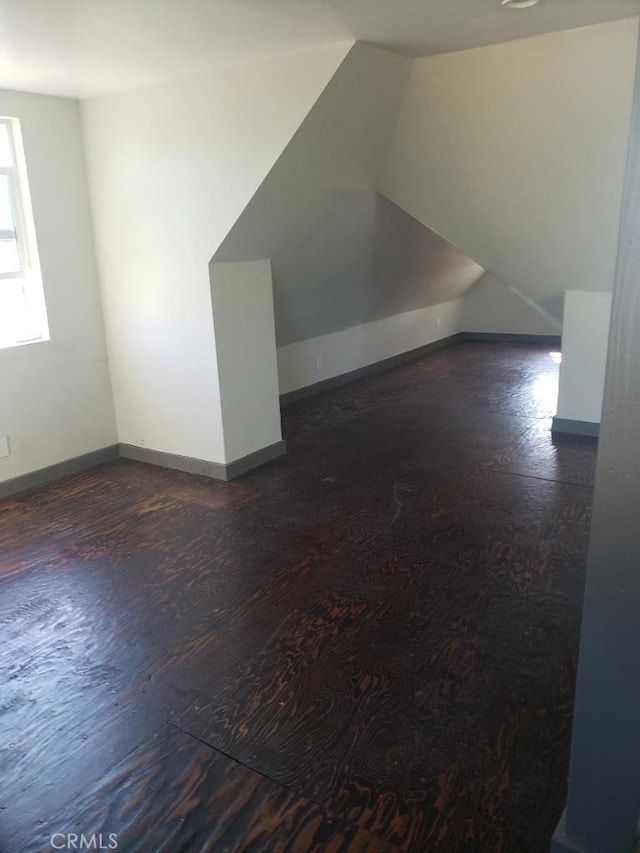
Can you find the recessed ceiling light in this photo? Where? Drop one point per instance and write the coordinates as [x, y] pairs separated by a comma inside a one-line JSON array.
[[519, 4]]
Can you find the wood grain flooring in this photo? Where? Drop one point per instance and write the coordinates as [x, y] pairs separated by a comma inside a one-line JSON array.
[[369, 645]]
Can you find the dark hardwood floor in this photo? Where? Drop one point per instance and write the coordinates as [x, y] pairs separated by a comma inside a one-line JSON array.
[[367, 646]]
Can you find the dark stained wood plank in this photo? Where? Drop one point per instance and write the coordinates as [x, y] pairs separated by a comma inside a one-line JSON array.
[[383, 624], [403, 674], [522, 526], [504, 378], [536, 453], [176, 794]]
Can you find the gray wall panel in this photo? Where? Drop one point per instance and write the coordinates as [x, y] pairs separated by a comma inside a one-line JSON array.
[[341, 253]]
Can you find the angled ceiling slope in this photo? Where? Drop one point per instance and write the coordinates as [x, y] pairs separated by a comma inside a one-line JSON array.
[[341, 254], [515, 153]]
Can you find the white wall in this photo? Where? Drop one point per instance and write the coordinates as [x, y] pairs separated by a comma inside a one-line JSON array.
[[171, 168], [491, 306], [515, 153], [585, 337], [359, 346], [55, 396]]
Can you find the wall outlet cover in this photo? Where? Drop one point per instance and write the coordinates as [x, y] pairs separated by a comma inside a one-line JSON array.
[[4, 446]]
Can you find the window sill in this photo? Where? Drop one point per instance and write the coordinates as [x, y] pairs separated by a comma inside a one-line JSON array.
[[7, 345]]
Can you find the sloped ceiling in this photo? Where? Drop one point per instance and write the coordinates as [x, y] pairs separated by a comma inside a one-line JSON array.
[[341, 254], [515, 153]]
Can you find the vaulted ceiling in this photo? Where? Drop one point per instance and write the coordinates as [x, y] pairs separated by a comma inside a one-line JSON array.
[[88, 47]]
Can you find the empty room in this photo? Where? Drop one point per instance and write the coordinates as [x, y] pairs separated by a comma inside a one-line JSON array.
[[319, 382]]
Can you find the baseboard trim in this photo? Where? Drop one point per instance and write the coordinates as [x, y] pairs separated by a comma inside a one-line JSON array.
[[214, 470], [376, 367], [255, 460], [508, 338], [567, 426], [188, 464], [61, 469], [231, 470]]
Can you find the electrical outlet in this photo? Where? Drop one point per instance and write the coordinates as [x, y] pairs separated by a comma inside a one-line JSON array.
[[318, 362], [4, 446], [438, 322]]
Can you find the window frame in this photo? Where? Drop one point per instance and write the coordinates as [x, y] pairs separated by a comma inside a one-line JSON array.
[[12, 174], [24, 283]]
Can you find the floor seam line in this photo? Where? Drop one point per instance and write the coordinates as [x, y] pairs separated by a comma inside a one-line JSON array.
[[249, 767], [544, 479]]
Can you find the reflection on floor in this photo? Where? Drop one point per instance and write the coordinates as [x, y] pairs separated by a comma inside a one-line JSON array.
[[367, 646]]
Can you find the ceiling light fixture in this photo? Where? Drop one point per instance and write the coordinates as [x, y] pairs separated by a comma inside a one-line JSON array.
[[519, 4]]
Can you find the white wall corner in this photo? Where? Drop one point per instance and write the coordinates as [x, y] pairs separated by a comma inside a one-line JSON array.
[[494, 306], [585, 339], [245, 340]]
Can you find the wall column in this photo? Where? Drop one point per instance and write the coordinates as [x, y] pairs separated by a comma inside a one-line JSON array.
[[242, 299], [585, 335], [604, 782]]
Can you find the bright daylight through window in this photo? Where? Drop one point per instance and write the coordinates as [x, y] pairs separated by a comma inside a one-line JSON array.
[[22, 310]]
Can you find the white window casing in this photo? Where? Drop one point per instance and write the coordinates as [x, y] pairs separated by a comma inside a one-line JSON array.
[[23, 317]]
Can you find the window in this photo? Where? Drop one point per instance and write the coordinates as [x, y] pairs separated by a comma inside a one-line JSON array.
[[22, 309]]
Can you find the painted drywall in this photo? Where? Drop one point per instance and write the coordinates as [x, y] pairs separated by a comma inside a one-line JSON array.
[[515, 153], [585, 337], [242, 298], [603, 795], [81, 49], [313, 360], [171, 168], [491, 306], [55, 396], [341, 254]]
